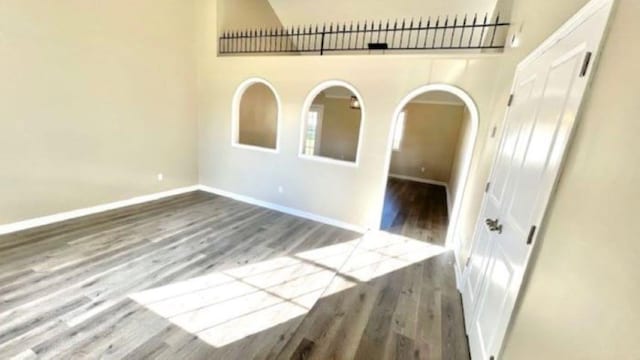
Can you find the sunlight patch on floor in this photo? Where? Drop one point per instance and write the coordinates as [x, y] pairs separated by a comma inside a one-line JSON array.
[[229, 305]]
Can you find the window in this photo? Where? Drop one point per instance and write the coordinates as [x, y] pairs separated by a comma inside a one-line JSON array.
[[332, 124], [399, 130], [314, 128], [256, 112]]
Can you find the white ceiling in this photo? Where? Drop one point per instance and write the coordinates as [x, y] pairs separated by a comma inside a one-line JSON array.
[[302, 12]]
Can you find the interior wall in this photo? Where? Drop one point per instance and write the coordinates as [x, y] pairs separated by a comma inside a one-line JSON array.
[[580, 299], [430, 141], [94, 103], [465, 137], [294, 76], [340, 128], [245, 14], [258, 122], [296, 12]]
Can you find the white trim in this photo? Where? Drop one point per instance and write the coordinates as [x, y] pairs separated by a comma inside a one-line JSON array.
[[581, 16], [255, 148], [418, 179], [455, 209], [50, 219], [307, 105], [235, 115], [458, 272], [283, 209], [437, 102]]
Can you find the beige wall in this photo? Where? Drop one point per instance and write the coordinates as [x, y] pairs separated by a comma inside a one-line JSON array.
[[349, 194], [430, 141], [245, 14], [465, 139], [296, 12], [96, 99], [340, 128], [258, 122], [581, 300]]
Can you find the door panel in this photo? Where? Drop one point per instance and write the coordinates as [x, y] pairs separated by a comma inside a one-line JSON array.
[[548, 93]]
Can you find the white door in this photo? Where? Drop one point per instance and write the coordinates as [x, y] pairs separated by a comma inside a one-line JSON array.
[[548, 91]]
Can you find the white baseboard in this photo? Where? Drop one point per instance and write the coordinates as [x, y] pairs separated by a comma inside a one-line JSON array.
[[458, 272], [50, 219], [284, 209], [420, 180]]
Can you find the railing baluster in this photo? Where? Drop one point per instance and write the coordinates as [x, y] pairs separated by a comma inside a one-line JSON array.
[[484, 25], [401, 33], [418, 33], [386, 31], [393, 34], [495, 29], [453, 31], [410, 31], [464, 26], [435, 33], [426, 32], [473, 27], [444, 31]]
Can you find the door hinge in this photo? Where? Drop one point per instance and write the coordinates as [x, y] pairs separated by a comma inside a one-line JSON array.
[[532, 233], [585, 63], [486, 188], [494, 131], [510, 100], [466, 264]]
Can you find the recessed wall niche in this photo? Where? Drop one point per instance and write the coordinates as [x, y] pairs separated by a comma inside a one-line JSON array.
[[256, 116]]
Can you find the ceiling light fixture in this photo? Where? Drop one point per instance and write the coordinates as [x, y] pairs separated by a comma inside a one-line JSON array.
[[355, 103]]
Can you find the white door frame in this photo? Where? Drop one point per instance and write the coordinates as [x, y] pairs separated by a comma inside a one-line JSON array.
[[451, 240]]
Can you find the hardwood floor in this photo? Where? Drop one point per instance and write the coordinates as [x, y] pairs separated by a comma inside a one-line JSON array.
[[416, 210], [199, 276]]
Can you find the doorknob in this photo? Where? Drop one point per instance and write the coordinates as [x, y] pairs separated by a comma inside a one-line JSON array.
[[494, 225]]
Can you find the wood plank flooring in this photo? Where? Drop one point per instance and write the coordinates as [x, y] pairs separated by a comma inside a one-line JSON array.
[[199, 276], [416, 210]]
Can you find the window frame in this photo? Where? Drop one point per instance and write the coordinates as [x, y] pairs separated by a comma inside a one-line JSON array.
[[307, 106], [235, 115]]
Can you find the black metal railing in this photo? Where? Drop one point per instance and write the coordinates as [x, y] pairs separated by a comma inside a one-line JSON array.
[[465, 33]]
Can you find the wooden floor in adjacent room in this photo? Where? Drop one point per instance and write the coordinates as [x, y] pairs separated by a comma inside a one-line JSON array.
[[416, 210], [199, 276]]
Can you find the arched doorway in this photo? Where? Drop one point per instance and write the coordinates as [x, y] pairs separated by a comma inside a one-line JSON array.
[[456, 197]]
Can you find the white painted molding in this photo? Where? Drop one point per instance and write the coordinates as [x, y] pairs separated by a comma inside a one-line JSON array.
[[50, 219], [436, 102], [458, 271], [283, 209], [475, 119], [420, 180], [581, 16]]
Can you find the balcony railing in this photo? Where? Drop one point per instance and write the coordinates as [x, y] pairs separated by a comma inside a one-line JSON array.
[[441, 33]]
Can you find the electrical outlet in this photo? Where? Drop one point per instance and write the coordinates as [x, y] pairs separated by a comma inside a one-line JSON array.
[[422, 169], [280, 189], [160, 177]]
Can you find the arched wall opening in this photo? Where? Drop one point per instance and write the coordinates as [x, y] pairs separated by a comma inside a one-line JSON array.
[[466, 154]]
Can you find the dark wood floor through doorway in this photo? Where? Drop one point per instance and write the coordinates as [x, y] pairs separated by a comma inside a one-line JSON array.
[[416, 210]]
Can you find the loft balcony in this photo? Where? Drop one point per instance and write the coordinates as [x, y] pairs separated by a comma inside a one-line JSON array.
[[441, 34]]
